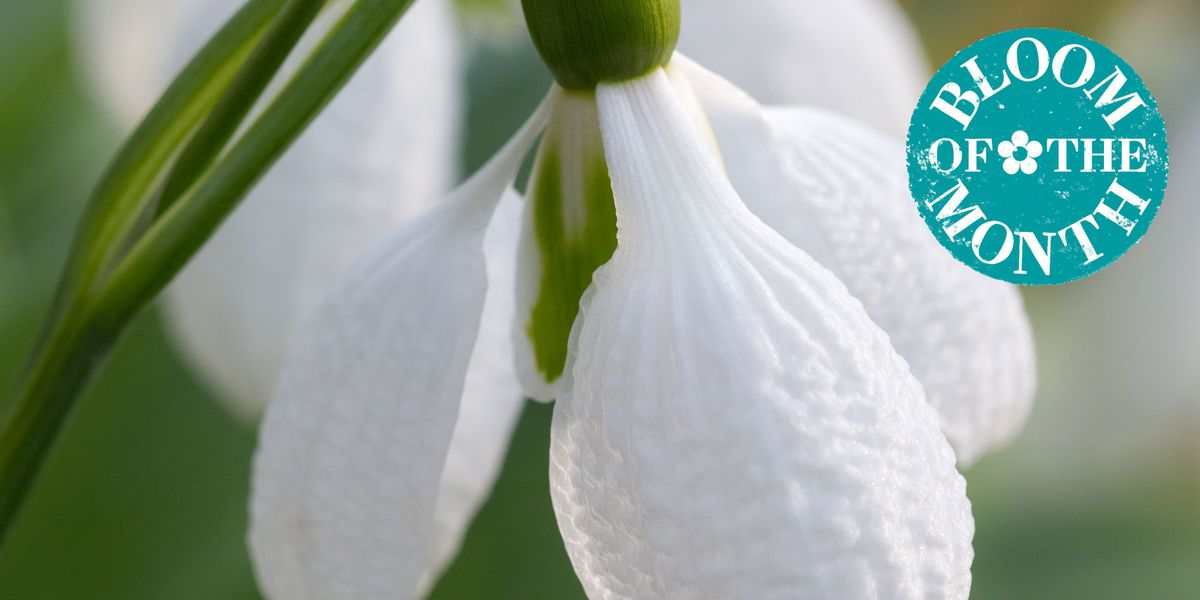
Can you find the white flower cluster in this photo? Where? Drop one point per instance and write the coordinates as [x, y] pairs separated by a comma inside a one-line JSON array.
[[765, 388]]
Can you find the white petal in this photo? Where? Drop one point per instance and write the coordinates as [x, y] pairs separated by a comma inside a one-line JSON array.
[[124, 48], [839, 191], [352, 450], [383, 151], [857, 57], [393, 129], [1020, 138], [736, 426], [1034, 149], [1006, 149], [491, 401], [1011, 166]]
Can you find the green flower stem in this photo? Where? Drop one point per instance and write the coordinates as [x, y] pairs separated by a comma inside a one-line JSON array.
[[105, 286], [61, 368]]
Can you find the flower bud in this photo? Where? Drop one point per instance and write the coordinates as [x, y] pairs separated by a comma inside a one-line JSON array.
[[586, 42]]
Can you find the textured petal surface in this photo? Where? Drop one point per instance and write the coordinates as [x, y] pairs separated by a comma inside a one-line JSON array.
[[735, 425], [838, 190], [858, 57], [352, 450]]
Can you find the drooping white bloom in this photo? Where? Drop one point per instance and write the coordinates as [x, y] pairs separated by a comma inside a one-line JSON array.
[[731, 422], [860, 58], [381, 153], [837, 190], [734, 425], [355, 443]]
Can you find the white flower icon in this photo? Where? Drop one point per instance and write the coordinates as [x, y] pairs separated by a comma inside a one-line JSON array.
[[1020, 146]]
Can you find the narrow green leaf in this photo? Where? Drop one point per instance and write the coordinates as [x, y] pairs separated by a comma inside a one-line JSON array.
[[97, 301], [185, 226], [243, 92], [72, 344], [127, 183]]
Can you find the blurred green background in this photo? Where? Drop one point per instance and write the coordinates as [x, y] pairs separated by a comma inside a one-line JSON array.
[[145, 495]]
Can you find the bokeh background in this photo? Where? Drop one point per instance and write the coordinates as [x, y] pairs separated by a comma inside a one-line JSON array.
[[145, 495]]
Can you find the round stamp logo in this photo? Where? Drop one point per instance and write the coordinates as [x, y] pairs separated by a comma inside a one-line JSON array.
[[1037, 156]]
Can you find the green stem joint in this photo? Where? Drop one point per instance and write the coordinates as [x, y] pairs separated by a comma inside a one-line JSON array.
[[588, 42]]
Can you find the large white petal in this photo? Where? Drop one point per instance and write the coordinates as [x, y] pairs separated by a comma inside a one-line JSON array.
[[857, 57], [735, 425], [382, 151], [491, 401], [839, 191], [354, 444], [395, 117]]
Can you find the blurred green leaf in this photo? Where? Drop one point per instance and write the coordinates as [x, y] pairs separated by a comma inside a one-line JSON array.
[[144, 496], [1116, 539]]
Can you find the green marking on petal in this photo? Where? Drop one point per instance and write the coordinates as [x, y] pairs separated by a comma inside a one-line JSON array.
[[574, 223]]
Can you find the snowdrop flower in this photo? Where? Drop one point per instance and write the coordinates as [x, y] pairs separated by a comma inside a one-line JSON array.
[[731, 419], [378, 155], [1020, 146], [235, 309], [831, 187], [860, 58]]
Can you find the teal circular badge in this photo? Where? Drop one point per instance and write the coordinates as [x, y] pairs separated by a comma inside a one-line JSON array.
[[1037, 156]]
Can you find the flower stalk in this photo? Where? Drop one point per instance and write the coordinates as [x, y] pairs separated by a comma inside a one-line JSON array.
[[165, 194], [586, 42]]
